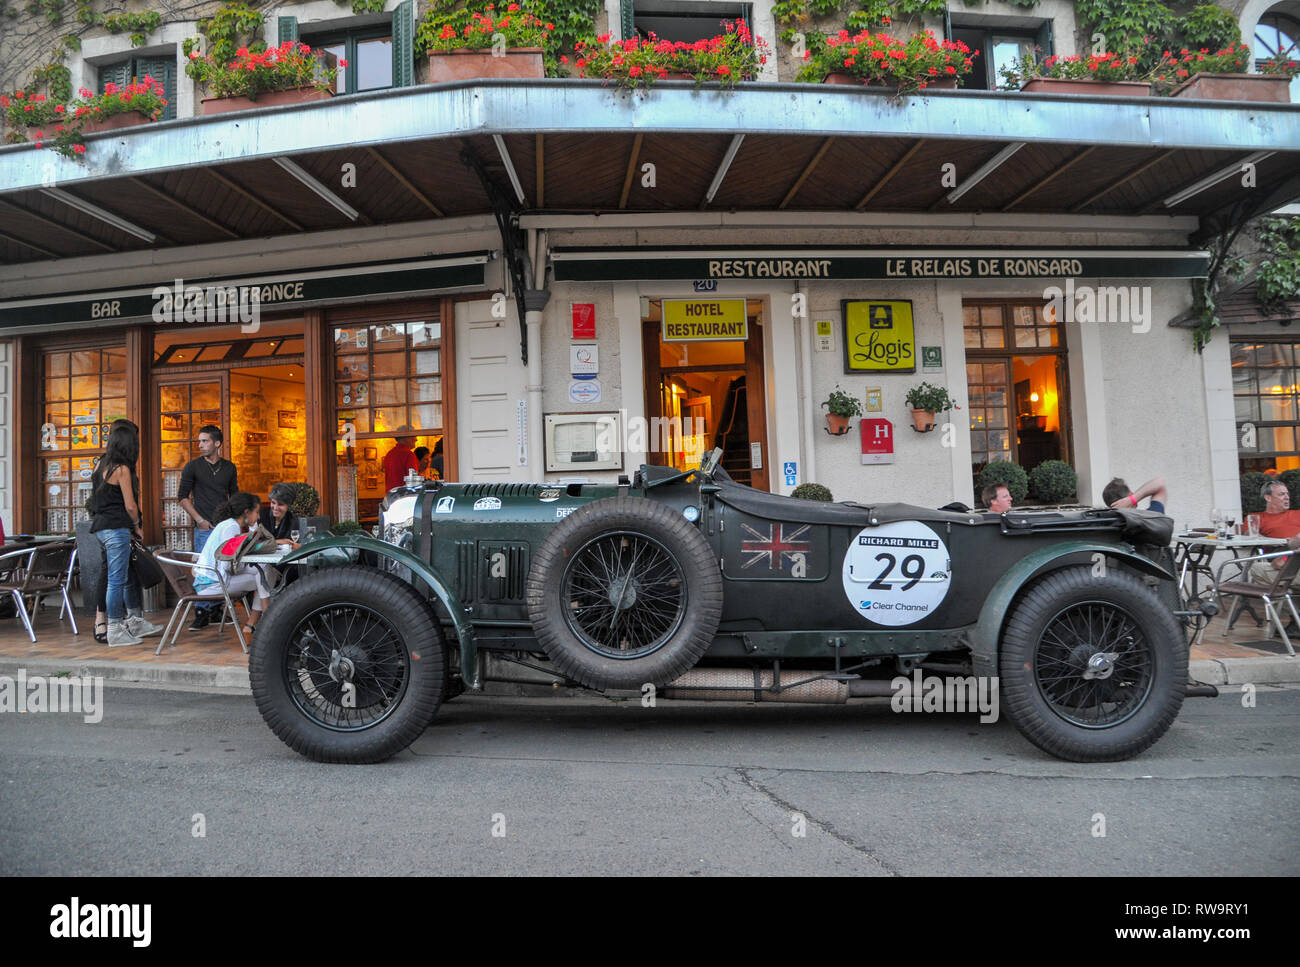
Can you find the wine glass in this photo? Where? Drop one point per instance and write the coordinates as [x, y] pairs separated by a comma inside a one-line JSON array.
[[293, 535], [1231, 520], [1216, 518]]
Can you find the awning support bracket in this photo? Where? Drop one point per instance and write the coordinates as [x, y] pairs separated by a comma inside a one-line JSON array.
[[513, 248]]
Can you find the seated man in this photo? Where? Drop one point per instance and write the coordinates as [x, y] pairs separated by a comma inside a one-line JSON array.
[[997, 497], [1116, 494], [1278, 520]]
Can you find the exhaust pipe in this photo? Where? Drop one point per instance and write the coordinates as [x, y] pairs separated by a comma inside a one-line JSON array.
[[745, 685]]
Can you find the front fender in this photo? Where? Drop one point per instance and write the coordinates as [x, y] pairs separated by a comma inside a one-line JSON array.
[[984, 636], [426, 572]]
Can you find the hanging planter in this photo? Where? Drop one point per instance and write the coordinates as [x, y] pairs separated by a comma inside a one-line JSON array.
[[927, 400], [840, 409]]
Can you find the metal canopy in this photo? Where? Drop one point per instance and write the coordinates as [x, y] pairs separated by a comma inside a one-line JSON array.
[[577, 146]]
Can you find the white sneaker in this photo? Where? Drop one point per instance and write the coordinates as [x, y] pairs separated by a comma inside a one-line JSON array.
[[139, 626], [119, 633]]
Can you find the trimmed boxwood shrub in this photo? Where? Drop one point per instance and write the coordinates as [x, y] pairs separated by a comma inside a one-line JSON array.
[[1003, 472], [343, 527], [811, 491], [306, 500], [1053, 482], [1251, 483]]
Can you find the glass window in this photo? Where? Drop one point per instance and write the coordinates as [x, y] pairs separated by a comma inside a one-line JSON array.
[[368, 55], [1266, 404], [82, 392]]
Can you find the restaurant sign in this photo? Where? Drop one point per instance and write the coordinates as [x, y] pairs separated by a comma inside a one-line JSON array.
[[222, 300], [697, 320], [629, 263]]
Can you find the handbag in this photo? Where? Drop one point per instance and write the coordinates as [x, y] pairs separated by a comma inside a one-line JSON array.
[[148, 573]]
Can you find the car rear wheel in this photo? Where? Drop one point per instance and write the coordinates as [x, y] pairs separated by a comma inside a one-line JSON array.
[[1093, 667], [624, 592], [348, 665]]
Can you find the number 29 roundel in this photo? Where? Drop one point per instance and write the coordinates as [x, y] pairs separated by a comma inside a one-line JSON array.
[[896, 574]]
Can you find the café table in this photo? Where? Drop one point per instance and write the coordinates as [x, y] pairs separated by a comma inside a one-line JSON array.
[[1196, 549]]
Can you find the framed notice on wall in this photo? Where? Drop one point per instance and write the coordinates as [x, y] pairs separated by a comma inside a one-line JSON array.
[[347, 481], [879, 336]]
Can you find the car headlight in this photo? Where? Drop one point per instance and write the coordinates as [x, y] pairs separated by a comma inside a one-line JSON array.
[[396, 514]]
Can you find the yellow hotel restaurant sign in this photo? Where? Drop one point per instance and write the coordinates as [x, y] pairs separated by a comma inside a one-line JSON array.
[[694, 320]]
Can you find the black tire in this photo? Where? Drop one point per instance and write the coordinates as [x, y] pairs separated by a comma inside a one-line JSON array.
[[353, 624], [644, 567], [1072, 618]]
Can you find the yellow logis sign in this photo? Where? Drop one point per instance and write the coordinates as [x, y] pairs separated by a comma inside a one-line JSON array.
[[879, 336], [697, 320]]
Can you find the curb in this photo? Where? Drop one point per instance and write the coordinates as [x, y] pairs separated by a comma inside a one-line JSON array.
[[151, 673], [1240, 671]]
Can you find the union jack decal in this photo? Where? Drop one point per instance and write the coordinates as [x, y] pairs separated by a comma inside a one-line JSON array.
[[779, 548]]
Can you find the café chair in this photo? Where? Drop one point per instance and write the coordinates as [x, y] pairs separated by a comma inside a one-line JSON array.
[[180, 577], [47, 570], [1272, 595]]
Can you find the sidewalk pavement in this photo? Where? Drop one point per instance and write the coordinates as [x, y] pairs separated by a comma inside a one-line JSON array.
[[212, 659]]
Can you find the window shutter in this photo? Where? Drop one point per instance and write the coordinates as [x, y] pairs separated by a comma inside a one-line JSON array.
[[163, 70], [626, 14], [119, 74], [404, 44], [1045, 40], [288, 28]]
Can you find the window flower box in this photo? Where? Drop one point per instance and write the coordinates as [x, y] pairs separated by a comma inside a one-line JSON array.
[[879, 60], [463, 65], [736, 55], [239, 102], [1269, 88], [128, 120], [937, 84], [1066, 85]]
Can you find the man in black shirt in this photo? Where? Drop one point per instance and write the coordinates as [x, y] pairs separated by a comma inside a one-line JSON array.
[[207, 482]]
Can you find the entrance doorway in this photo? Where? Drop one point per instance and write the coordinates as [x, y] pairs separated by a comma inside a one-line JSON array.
[[706, 393]]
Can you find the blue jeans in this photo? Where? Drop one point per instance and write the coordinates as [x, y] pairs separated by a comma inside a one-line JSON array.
[[123, 591], [200, 539]]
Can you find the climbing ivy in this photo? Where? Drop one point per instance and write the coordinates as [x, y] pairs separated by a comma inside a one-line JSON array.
[[574, 20], [53, 9], [363, 6], [233, 26], [138, 25], [1278, 278]]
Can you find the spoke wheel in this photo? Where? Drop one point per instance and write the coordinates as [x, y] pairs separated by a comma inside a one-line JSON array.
[[624, 592], [1094, 665], [625, 595], [346, 667]]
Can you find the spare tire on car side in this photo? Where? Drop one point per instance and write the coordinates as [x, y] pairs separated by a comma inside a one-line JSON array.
[[623, 592]]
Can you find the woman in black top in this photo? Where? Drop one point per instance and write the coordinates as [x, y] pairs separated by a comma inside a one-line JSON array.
[[276, 516], [117, 518]]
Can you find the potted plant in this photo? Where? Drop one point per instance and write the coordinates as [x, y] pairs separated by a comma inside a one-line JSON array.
[[927, 400], [305, 503], [1053, 481], [732, 56], [811, 491], [120, 107], [840, 408], [468, 44], [288, 74], [880, 60], [1107, 74], [1222, 76]]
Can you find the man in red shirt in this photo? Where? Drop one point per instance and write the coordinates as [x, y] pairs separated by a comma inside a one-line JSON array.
[[1278, 520], [400, 459]]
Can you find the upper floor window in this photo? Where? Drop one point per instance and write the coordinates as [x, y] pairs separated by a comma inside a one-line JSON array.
[[134, 69], [368, 53], [1000, 42], [686, 22], [1277, 37]]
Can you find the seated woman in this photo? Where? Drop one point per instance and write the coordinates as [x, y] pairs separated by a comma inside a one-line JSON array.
[[276, 516], [232, 518]]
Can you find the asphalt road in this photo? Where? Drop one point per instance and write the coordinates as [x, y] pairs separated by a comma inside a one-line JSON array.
[[607, 787]]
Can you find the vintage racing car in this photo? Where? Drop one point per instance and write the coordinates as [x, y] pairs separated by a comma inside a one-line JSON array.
[[702, 588]]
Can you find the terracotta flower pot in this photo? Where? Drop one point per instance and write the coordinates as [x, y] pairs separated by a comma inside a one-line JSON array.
[[128, 119], [1274, 88], [466, 65], [1064, 85], [292, 95], [837, 425], [937, 83], [923, 420]]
